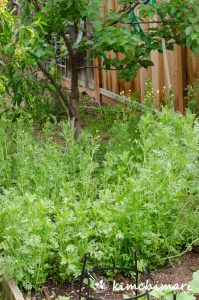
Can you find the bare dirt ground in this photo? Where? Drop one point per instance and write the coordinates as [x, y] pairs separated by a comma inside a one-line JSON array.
[[180, 273]]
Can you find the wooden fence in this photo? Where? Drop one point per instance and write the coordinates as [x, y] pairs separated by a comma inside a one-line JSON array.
[[177, 68]]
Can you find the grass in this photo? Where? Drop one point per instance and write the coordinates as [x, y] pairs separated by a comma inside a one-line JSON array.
[[136, 189]]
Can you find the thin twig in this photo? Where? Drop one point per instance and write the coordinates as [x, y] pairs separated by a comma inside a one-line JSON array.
[[99, 68], [129, 8], [58, 87], [67, 42]]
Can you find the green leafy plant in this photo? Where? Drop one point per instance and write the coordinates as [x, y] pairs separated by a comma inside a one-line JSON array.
[[61, 197]]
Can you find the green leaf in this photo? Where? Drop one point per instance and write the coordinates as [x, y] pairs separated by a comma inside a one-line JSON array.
[[92, 282], [189, 30], [194, 284], [146, 63], [126, 296], [185, 296], [158, 294]]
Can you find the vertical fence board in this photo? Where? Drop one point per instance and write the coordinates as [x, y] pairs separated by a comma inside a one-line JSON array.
[[178, 79], [96, 79]]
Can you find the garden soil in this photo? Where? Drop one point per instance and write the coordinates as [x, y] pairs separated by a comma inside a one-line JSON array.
[[179, 273]]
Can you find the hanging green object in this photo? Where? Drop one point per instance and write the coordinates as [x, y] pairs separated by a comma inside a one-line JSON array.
[[133, 20], [153, 1], [104, 56], [134, 23]]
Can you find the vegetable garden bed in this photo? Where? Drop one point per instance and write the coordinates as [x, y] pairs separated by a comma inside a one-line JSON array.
[[138, 189]]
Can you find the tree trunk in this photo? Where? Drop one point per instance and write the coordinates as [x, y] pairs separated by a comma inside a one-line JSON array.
[[74, 96]]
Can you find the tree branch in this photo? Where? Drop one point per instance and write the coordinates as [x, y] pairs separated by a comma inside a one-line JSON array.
[[63, 97], [68, 43], [128, 9], [99, 68], [124, 11]]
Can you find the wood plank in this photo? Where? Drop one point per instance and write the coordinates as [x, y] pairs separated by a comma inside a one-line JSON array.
[[114, 76], [195, 63], [144, 73], [179, 86], [156, 74], [166, 68], [96, 79], [189, 66], [10, 290], [117, 98], [143, 78], [136, 84]]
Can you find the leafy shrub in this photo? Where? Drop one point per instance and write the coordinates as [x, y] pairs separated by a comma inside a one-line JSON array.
[[31, 96], [60, 200]]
